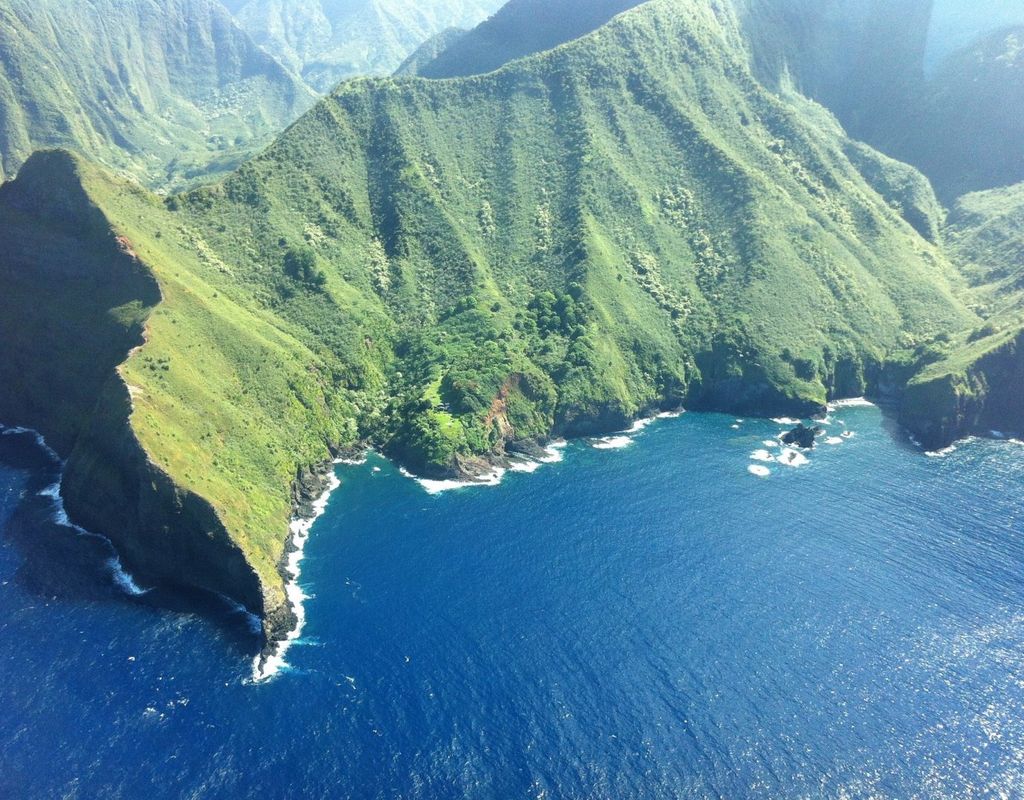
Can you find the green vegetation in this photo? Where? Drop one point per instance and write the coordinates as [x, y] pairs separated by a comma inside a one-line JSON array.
[[173, 91], [443, 268], [978, 382], [965, 129]]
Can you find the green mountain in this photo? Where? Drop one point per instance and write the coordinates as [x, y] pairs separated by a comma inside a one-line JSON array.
[[960, 123], [862, 59], [456, 270], [169, 90], [429, 50], [979, 384], [521, 28], [327, 41], [966, 128]]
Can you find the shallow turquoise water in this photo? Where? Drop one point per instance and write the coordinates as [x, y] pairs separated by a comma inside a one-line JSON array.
[[652, 621]]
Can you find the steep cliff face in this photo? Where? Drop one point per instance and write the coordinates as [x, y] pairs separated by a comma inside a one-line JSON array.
[[985, 395], [965, 129], [74, 301], [164, 534], [863, 59]]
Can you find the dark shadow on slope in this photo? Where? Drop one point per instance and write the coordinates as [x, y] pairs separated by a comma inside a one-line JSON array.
[[59, 562]]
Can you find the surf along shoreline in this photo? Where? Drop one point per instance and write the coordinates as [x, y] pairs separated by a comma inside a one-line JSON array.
[[313, 488]]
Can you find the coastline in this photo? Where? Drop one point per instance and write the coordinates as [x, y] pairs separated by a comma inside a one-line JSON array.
[[314, 486], [271, 660], [118, 574]]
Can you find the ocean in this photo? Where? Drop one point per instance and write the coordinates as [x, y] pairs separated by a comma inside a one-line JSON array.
[[683, 611]]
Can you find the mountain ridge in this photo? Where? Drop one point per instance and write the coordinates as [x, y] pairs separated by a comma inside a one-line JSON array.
[[327, 41]]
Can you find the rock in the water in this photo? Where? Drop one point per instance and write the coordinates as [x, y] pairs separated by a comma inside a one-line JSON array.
[[802, 436]]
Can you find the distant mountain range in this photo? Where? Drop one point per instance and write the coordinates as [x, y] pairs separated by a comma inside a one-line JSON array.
[[162, 89]]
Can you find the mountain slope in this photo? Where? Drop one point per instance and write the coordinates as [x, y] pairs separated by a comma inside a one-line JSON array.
[[966, 130], [170, 88], [327, 41], [454, 271], [862, 59], [521, 28], [979, 385], [961, 123], [429, 51]]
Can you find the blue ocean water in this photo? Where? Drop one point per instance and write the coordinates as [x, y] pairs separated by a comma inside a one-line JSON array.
[[653, 621]]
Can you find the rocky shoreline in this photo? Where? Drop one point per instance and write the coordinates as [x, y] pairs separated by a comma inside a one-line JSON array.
[[313, 483]]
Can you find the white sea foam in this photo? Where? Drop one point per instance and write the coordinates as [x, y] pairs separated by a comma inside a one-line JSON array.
[[785, 421], [792, 458], [759, 471], [35, 434], [671, 414], [848, 434], [762, 455], [735, 427], [835, 440], [438, 487], [554, 452], [52, 491], [252, 620], [266, 668], [352, 462], [118, 573], [640, 424], [851, 402], [611, 442], [771, 443], [997, 434], [945, 451], [524, 465], [124, 580]]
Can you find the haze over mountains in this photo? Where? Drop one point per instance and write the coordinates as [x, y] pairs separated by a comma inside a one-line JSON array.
[[326, 41], [160, 89], [178, 89], [652, 214]]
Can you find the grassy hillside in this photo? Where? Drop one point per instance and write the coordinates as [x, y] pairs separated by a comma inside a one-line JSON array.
[[169, 90], [980, 384], [449, 268], [327, 41], [623, 223], [189, 442]]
